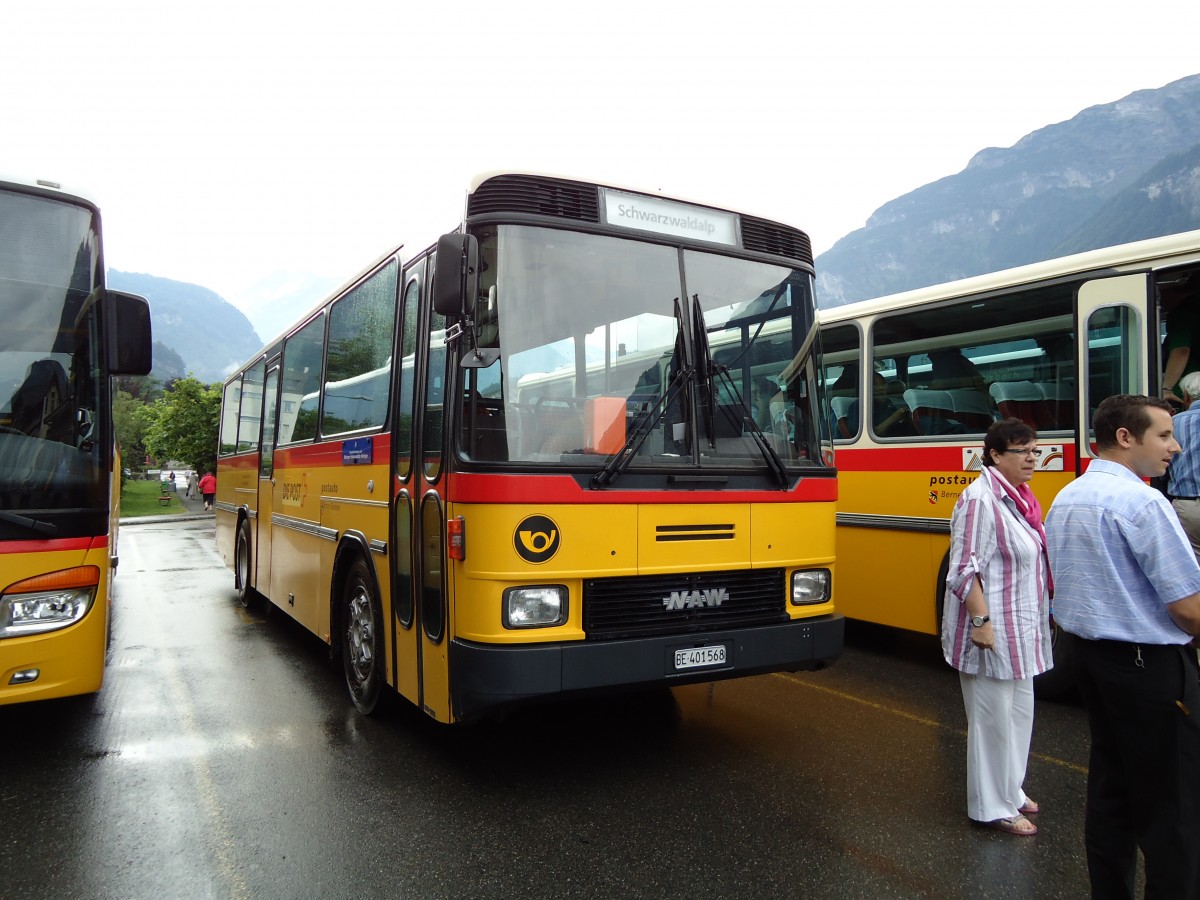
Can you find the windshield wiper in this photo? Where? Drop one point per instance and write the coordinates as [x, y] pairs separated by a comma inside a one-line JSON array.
[[709, 372], [653, 412], [32, 524], [704, 371]]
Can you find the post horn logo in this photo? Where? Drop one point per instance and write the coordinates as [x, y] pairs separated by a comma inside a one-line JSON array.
[[536, 539]]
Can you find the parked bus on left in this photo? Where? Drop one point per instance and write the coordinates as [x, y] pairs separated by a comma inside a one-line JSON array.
[[64, 335]]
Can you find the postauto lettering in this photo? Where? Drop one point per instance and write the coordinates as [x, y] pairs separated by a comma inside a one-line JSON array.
[[950, 479]]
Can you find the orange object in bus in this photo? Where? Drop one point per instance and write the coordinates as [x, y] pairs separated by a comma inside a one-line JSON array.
[[604, 424]]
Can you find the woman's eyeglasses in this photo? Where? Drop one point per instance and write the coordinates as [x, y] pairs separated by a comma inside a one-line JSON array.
[[1035, 452]]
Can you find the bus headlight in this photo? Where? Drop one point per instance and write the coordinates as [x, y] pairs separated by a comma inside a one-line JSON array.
[[535, 607], [48, 602], [811, 586]]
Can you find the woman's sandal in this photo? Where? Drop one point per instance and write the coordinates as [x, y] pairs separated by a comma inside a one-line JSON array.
[[1018, 825], [1029, 808]]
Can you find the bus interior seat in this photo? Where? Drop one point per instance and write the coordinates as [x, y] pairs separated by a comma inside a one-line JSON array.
[[559, 427], [1059, 397], [1022, 400], [972, 408], [931, 410], [842, 408]]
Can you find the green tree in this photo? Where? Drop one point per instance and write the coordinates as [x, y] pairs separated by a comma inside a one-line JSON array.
[[131, 419], [185, 424]]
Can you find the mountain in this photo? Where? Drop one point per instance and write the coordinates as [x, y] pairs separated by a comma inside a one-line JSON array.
[[195, 331], [277, 301], [1114, 173]]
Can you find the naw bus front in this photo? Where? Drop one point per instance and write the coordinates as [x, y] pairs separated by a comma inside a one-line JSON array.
[[640, 491]]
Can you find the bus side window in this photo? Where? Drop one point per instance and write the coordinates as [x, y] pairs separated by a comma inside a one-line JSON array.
[[841, 348]]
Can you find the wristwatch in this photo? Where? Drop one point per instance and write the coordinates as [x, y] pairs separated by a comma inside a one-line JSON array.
[[979, 621]]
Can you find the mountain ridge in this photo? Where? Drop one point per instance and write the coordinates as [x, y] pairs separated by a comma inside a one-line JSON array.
[[1113, 173]]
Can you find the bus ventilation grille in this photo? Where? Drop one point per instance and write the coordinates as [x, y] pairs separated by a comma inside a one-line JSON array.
[[778, 240], [668, 533], [536, 196], [646, 605]]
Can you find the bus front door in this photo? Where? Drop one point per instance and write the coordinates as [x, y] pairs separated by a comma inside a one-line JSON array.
[[1111, 356], [266, 483]]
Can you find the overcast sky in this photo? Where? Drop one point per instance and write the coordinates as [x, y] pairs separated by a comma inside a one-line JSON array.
[[227, 141]]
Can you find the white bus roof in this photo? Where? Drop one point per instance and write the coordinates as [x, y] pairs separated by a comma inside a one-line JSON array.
[[45, 184], [1173, 249]]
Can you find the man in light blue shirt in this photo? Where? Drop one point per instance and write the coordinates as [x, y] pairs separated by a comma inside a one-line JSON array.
[[1127, 585]]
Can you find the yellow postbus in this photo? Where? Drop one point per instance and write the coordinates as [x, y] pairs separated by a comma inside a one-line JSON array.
[[573, 446], [915, 379], [63, 335]]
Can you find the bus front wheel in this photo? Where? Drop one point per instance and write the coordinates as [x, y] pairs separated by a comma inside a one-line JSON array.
[[241, 568], [362, 638]]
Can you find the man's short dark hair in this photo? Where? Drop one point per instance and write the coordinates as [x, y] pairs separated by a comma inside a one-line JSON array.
[[1128, 411], [1002, 434]]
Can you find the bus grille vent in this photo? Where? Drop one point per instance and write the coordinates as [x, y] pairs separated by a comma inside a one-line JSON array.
[[778, 240], [670, 533], [646, 605], [536, 196]]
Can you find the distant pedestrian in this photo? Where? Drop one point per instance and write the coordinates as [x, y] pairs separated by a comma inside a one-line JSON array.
[[208, 488], [995, 623], [191, 484], [1127, 586]]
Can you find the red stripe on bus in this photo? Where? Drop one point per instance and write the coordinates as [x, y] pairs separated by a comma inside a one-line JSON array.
[[917, 459], [473, 487], [54, 546], [246, 461], [329, 453]]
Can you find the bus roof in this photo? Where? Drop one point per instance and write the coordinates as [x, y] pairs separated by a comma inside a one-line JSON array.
[[1153, 252], [45, 187], [481, 177]]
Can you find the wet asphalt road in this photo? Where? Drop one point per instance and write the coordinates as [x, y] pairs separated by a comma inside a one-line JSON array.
[[222, 759]]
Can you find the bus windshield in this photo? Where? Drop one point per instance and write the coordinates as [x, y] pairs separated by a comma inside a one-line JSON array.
[[50, 384], [601, 354]]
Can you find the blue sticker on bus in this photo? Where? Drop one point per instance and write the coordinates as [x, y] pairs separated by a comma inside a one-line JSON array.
[[357, 451]]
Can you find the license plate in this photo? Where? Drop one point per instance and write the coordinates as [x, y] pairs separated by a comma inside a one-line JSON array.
[[699, 657]]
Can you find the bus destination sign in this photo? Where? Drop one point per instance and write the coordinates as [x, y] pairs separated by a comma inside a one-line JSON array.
[[646, 213], [357, 451]]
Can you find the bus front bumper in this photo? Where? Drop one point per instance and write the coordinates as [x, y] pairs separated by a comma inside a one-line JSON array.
[[484, 676]]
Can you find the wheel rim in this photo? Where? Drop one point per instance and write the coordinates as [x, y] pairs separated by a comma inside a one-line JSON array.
[[243, 561], [360, 636]]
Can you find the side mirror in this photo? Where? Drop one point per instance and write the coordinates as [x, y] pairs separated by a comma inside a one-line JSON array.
[[127, 326], [455, 274]]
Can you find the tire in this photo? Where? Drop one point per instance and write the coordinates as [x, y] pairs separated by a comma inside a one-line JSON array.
[[362, 638], [939, 606], [241, 566], [1058, 683]]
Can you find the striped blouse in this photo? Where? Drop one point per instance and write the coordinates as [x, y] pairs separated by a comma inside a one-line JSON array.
[[990, 538]]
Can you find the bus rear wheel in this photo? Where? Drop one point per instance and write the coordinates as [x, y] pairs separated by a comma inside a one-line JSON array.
[[1058, 683], [362, 638]]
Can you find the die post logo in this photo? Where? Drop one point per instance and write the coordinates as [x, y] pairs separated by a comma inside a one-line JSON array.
[[536, 539]]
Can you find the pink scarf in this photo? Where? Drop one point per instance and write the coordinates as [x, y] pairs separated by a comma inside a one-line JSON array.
[[1028, 506]]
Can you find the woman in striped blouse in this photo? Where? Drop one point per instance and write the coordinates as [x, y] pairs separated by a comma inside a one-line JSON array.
[[995, 623]]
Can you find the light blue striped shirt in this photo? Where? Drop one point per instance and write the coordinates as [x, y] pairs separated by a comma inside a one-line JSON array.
[[1185, 467], [1119, 557]]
